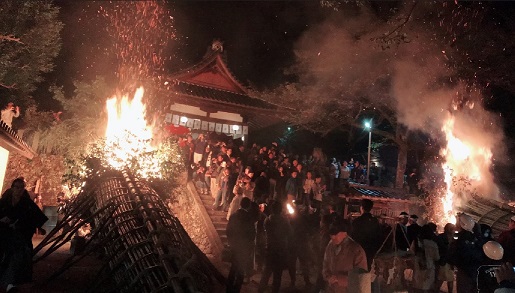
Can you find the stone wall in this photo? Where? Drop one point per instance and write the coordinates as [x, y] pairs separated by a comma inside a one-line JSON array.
[[49, 169], [184, 208]]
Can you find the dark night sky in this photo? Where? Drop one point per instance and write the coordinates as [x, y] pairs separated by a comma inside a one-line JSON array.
[[258, 37]]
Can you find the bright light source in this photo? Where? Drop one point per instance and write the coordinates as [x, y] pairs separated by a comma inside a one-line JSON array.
[[368, 125], [184, 119], [290, 209], [235, 127], [289, 128], [243, 138]]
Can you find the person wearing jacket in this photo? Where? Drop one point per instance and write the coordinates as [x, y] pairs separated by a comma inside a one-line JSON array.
[[240, 234], [19, 219], [278, 234], [343, 256]]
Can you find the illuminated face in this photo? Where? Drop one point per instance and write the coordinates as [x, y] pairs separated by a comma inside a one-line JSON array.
[[511, 225]]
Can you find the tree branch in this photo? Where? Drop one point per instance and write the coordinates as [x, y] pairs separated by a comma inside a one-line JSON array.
[[10, 38], [401, 25], [383, 113], [12, 86], [394, 37]]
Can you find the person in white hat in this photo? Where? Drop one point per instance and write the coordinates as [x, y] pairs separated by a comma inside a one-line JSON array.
[[486, 282], [507, 240], [401, 233], [466, 253]]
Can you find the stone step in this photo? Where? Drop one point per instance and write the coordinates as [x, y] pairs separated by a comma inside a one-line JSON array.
[[217, 213], [207, 202], [206, 197], [220, 225], [219, 219]]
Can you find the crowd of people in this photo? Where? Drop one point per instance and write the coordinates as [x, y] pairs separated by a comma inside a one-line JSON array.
[[279, 220], [264, 173]]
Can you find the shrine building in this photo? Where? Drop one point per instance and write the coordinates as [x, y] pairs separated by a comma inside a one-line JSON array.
[[207, 97]]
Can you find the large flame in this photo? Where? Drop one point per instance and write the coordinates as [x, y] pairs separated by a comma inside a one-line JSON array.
[[128, 136], [467, 161]]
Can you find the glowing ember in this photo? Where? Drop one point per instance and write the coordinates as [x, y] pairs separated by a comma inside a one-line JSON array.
[[128, 136], [466, 162]]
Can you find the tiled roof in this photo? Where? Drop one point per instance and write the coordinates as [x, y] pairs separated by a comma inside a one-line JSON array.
[[213, 94], [375, 192], [494, 213], [12, 142]]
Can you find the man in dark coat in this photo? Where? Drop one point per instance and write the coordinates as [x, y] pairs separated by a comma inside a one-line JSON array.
[[413, 228], [240, 234], [19, 219], [278, 234], [292, 187], [262, 188], [466, 255], [299, 247], [366, 231], [401, 233]]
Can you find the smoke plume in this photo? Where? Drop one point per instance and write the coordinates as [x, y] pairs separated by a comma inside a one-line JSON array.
[[353, 58]]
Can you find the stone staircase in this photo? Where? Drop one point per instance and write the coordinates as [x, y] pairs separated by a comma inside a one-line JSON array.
[[217, 217]]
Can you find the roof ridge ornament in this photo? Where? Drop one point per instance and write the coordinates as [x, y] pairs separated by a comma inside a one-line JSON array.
[[217, 46]]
